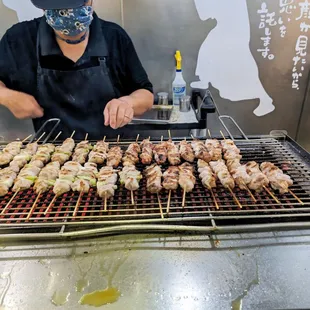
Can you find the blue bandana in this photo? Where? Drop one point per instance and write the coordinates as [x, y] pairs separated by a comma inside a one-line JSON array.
[[70, 22]]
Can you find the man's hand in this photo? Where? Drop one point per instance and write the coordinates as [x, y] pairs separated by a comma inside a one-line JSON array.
[[22, 105], [118, 113]]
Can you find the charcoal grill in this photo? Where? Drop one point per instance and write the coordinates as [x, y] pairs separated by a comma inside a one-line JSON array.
[[289, 211]]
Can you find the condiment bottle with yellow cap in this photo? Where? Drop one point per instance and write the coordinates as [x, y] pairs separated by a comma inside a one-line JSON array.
[[179, 84]]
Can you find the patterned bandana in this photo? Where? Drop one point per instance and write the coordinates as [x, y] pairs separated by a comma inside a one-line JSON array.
[[70, 22]]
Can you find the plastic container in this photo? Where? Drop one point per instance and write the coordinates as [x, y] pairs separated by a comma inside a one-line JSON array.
[[179, 84]]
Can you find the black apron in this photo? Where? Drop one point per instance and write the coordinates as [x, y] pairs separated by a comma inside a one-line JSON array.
[[78, 98]]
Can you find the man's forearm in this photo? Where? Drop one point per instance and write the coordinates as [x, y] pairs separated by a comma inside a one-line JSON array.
[[141, 100]]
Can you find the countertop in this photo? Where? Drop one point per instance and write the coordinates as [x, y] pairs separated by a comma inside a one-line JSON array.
[[260, 271]]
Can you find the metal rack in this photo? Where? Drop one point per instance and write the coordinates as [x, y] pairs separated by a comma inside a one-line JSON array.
[[199, 214]]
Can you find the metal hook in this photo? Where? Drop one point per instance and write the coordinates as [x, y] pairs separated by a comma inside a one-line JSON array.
[[40, 131], [222, 117]]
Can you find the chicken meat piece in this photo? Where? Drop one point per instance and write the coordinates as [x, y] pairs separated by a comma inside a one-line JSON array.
[[85, 179], [8, 153], [7, 177], [106, 184], [47, 177], [114, 157], [239, 173], [187, 179], [277, 178], [61, 157], [214, 148], [201, 151], [160, 153], [258, 179], [99, 153], [5, 157], [153, 175], [173, 153], [206, 174], [186, 151], [147, 152], [171, 178], [130, 177], [132, 155], [221, 171], [81, 152], [230, 150]]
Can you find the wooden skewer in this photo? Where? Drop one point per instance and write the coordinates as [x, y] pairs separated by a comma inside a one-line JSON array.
[[118, 138], [27, 138], [250, 193], [214, 199], [8, 204], [132, 198], [43, 134], [57, 136], [86, 137], [168, 203], [235, 198], [73, 133], [193, 137], [184, 196], [169, 133], [50, 205], [271, 194], [78, 204], [162, 139], [33, 206], [298, 199], [138, 136], [209, 133], [222, 135], [160, 207], [104, 138], [105, 204]]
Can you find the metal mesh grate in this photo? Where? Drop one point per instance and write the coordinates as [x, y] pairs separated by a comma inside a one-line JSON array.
[[200, 207]]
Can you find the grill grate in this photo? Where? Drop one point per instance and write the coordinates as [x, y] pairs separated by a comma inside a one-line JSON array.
[[200, 208]]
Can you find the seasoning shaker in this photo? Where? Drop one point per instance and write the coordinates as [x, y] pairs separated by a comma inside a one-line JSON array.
[[185, 104], [163, 98]]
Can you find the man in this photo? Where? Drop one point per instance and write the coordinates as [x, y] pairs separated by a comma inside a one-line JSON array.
[[74, 66]]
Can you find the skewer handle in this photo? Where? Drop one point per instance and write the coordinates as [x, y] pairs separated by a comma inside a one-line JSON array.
[[33, 206]]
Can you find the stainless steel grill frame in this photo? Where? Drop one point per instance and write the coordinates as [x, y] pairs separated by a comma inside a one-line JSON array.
[[199, 214]]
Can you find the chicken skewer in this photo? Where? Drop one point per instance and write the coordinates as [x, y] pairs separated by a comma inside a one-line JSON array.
[[9, 174], [106, 184], [214, 148], [131, 157], [66, 178], [153, 176], [81, 151], [84, 180], [187, 179], [186, 151], [115, 155], [207, 177], [200, 150], [173, 153], [278, 180], [11, 150], [160, 152], [171, 182], [146, 155], [63, 153], [130, 178], [99, 153]]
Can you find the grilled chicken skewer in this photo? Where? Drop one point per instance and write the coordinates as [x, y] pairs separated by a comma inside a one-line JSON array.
[[8, 153], [171, 182], [147, 152], [63, 153], [85, 178], [106, 184], [200, 150], [278, 180], [130, 177], [28, 175], [186, 151], [81, 152], [214, 148], [47, 177], [131, 157], [114, 157], [258, 179], [66, 178], [206, 174], [153, 175], [230, 150], [7, 177], [160, 153], [173, 153], [187, 179], [221, 171], [99, 154]]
